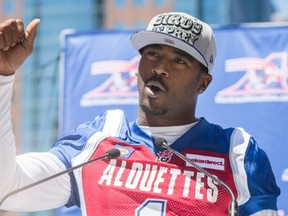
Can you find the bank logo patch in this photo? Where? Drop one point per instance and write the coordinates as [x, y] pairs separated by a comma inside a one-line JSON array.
[[264, 80], [125, 152], [209, 162]]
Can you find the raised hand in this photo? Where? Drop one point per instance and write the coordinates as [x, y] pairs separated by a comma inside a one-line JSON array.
[[16, 44]]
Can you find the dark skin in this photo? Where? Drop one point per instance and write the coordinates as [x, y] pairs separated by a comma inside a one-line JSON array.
[[169, 82], [16, 44]]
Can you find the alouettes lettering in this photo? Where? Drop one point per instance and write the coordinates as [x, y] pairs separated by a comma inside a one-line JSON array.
[[159, 178]]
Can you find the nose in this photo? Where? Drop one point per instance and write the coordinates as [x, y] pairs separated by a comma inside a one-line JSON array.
[[161, 68]]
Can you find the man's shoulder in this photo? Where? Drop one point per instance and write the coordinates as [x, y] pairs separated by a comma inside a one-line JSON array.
[[236, 130]]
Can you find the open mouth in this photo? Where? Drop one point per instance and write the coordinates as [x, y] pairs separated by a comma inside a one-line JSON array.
[[154, 89], [155, 86]]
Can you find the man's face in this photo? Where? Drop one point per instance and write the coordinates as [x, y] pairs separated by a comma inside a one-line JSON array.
[[169, 81]]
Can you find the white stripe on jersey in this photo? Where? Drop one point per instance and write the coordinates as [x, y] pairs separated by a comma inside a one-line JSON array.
[[113, 122], [90, 147], [239, 142]]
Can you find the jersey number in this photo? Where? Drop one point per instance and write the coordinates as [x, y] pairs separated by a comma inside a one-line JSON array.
[[155, 207]]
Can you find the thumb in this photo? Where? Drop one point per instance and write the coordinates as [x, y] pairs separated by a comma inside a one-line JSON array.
[[30, 33]]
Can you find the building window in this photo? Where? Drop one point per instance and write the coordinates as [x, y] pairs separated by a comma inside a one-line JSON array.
[[139, 3], [9, 6], [119, 25], [140, 24], [119, 3], [159, 3]]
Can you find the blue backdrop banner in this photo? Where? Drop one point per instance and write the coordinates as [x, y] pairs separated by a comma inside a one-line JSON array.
[[249, 87]]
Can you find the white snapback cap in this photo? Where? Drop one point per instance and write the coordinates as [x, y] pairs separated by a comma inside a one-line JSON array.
[[181, 31]]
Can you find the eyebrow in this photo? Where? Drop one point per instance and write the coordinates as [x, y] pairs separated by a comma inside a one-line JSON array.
[[183, 54]]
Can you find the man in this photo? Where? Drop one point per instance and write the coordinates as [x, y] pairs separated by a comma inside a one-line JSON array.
[[177, 58]]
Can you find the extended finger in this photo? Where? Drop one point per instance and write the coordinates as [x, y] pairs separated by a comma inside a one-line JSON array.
[[31, 29], [30, 34]]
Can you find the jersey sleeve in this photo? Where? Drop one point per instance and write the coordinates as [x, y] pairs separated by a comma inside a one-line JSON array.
[[256, 184], [68, 147], [75, 142], [71, 145], [261, 180]]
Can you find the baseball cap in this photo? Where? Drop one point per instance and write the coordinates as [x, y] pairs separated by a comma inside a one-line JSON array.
[[182, 31]]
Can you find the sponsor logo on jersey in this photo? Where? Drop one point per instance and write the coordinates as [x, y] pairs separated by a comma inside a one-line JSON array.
[[209, 162], [117, 83], [125, 152], [264, 80]]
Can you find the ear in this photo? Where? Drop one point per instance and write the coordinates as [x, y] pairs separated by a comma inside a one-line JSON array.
[[206, 78]]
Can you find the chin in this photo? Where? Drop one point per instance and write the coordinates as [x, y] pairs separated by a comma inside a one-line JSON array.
[[153, 109]]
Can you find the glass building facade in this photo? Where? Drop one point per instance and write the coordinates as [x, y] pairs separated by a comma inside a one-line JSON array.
[[40, 74], [39, 78]]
